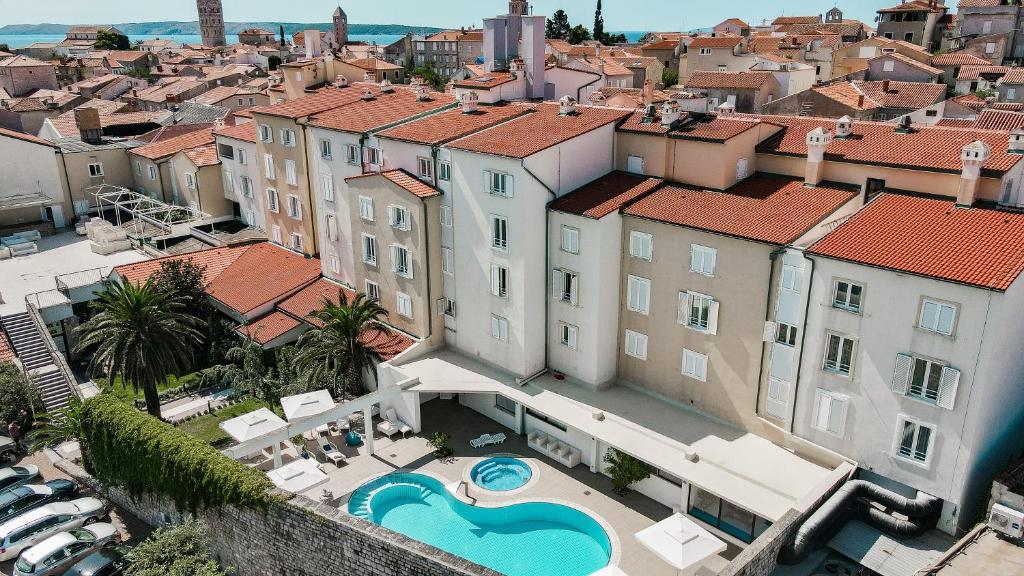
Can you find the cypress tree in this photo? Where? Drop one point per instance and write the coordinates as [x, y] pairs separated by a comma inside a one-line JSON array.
[[598, 24]]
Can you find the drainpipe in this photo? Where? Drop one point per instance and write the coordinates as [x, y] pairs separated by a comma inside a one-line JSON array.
[[579, 91], [311, 191], [772, 257], [547, 264], [803, 338]]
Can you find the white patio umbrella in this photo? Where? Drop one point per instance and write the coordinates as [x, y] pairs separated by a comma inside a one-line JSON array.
[[253, 425], [307, 405], [298, 476], [680, 542]]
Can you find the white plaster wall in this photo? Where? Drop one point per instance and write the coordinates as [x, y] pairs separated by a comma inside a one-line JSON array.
[[347, 251], [29, 168], [250, 169]]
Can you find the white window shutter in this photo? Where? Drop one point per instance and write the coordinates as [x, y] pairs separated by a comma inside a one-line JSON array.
[[509, 185], [683, 314], [713, 317], [901, 376], [948, 383], [394, 258], [634, 244], [575, 290], [495, 282], [488, 179], [770, 328], [557, 282], [440, 306]]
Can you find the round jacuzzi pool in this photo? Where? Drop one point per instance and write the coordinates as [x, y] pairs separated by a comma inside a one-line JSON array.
[[501, 474]]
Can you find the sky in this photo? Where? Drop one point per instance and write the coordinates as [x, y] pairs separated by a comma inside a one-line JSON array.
[[621, 15]]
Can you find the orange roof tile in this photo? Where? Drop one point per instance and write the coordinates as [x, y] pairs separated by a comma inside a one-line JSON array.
[[605, 195], [372, 64], [933, 238], [25, 137], [958, 59], [452, 124], [265, 329], [715, 42], [999, 120], [404, 180], [263, 274], [915, 6], [321, 101], [387, 344], [1014, 76], [245, 131], [6, 350], [489, 80], [385, 109], [783, 20], [975, 72], [662, 45], [164, 148], [909, 62], [543, 128], [704, 127], [737, 80], [203, 155], [907, 95], [761, 208], [214, 261]]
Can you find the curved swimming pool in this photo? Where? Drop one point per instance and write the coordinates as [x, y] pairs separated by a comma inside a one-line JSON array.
[[501, 473], [528, 539]]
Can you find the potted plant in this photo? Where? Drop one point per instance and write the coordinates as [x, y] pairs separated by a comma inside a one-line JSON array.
[[625, 470], [439, 442]]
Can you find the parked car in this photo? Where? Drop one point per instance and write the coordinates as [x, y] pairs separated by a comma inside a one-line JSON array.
[[21, 499], [8, 450], [58, 552], [104, 562], [15, 475], [36, 525]]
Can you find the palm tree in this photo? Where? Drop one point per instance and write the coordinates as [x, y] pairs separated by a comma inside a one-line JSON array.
[[337, 352], [63, 425], [247, 374], [141, 335]]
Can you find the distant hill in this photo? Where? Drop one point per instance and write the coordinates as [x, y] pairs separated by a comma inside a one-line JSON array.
[[158, 28]]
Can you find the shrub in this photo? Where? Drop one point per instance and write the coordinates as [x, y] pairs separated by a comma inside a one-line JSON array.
[[439, 441], [625, 470], [15, 395], [174, 551]]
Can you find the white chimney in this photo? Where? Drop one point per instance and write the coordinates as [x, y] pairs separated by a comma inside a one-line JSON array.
[[670, 113], [844, 127], [421, 90], [469, 100], [567, 105], [817, 143], [386, 86], [973, 156], [366, 94], [340, 81], [597, 98], [1017, 141], [726, 108], [371, 77]]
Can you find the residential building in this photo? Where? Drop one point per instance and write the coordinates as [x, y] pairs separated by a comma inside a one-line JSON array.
[[233, 98], [987, 19], [257, 37], [744, 91], [370, 70], [900, 68], [183, 170], [667, 52], [951, 62], [914, 21], [732, 27], [884, 100], [28, 114], [1011, 88], [211, 22], [448, 51], [32, 199], [714, 54], [240, 167], [88, 161], [971, 79], [21, 75], [853, 58]]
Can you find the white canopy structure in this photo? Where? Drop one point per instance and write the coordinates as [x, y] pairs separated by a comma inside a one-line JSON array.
[[307, 405], [254, 425], [298, 476], [610, 570], [680, 542]]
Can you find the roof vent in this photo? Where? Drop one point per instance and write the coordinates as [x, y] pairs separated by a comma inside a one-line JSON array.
[[726, 108], [844, 127], [904, 126], [670, 113], [650, 114], [469, 100], [1017, 141], [567, 106], [340, 81], [598, 99], [367, 94], [386, 86]]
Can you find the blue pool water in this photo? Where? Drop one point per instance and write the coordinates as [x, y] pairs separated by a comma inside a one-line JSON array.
[[529, 539], [501, 474]]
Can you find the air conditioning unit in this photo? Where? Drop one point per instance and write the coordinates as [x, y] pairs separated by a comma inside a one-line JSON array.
[[1006, 520]]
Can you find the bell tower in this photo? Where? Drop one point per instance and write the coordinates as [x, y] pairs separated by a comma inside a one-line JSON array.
[[340, 28], [519, 7], [211, 22]]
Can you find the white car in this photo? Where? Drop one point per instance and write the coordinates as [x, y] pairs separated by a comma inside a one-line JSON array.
[[59, 552], [17, 475], [36, 525]]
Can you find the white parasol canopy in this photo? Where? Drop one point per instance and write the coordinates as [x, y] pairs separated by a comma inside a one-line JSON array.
[[680, 542], [298, 476], [253, 425], [306, 405]]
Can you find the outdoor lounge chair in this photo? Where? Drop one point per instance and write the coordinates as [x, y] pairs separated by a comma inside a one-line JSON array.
[[392, 425], [487, 440], [332, 454]]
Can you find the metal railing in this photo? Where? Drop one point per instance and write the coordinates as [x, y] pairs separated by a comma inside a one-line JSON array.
[[55, 353]]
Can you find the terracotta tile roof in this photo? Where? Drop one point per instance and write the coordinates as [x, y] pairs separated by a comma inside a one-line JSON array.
[[978, 3], [999, 120], [703, 127], [733, 22], [543, 128], [955, 123], [387, 344], [203, 155], [1014, 76], [926, 148], [1012, 106], [403, 179], [611, 67], [67, 126], [488, 80], [168, 132], [263, 274], [445, 35], [386, 109], [915, 6], [605, 195], [265, 329], [845, 28], [26, 137], [909, 62], [905, 95], [246, 132], [214, 261], [783, 20], [934, 238], [975, 72], [971, 101], [636, 95], [761, 208], [373, 64], [452, 124], [218, 94], [23, 61], [958, 59], [6, 350], [662, 45], [325, 99], [735, 80], [715, 42], [170, 146]]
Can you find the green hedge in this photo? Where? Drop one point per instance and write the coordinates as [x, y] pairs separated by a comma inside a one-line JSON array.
[[130, 449]]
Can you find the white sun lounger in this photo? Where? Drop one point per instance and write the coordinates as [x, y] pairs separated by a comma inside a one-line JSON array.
[[487, 440]]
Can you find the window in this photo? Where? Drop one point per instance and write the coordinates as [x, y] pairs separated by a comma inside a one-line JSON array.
[[635, 164], [294, 207], [268, 167], [498, 183], [499, 328], [504, 404], [276, 230], [847, 296], [839, 354], [398, 216], [444, 171], [287, 138], [909, 37], [152, 172], [331, 227], [241, 102], [829, 412], [789, 279], [723, 68], [568, 335], [241, 156], [785, 334], [366, 208], [335, 264], [425, 168], [352, 154], [266, 134], [226, 151], [401, 261], [446, 216], [937, 317], [1011, 93], [297, 242], [138, 168], [369, 250], [325, 149], [272, 200], [925, 379], [698, 311], [499, 233], [702, 260], [404, 304], [695, 365], [373, 156], [229, 181], [447, 260], [499, 281], [327, 187], [372, 290], [641, 245], [990, 48], [705, 51], [95, 169], [246, 186], [636, 345], [190, 180], [639, 295], [565, 287], [289, 171], [570, 240], [913, 440], [888, 66], [986, 27]]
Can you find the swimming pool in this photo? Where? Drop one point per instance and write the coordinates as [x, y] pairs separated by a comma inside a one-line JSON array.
[[528, 539], [501, 474]]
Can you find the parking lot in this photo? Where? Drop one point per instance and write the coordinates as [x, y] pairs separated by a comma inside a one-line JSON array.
[[130, 529]]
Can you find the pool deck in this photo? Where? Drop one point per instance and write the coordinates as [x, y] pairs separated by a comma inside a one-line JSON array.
[[577, 487]]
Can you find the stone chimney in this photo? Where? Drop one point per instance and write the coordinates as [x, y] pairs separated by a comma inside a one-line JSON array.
[[386, 86], [844, 127], [89, 125], [817, 143], [648, 92], [1017, 141], [567, 106], [726, 108], [885, 85], [670, 113], [973, 156], [469, 101]]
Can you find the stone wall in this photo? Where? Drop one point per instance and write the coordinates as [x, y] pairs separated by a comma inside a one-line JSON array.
[[298, 537]]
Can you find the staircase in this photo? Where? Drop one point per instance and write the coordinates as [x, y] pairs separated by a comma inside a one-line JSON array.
[[38, 362], [397, 486]]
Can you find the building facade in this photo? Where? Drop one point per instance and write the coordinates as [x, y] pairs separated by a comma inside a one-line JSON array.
[[211, 22]]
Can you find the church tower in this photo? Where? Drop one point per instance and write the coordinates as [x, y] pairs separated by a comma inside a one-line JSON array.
[[519, 7], [340, 28], [211, 22]]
